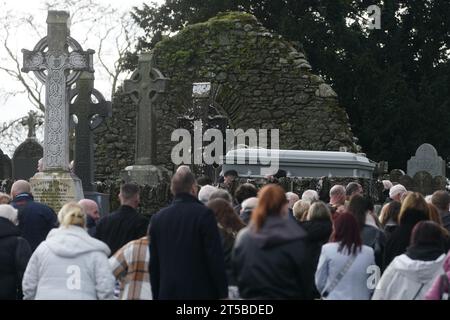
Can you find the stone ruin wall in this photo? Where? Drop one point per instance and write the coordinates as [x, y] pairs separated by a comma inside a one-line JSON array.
[[263, 81]]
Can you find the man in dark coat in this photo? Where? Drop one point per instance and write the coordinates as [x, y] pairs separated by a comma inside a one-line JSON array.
[[35, 219], [14, 255], [186, 254], [125, 224]]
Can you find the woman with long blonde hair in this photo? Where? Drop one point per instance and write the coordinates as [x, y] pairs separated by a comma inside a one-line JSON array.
[[413, 210]]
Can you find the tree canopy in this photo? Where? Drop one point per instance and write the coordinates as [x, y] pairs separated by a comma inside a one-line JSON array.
[[394, 82]]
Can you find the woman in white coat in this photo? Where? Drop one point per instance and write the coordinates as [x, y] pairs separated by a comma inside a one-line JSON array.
[[345, 264], [69, 264], [410, 275]]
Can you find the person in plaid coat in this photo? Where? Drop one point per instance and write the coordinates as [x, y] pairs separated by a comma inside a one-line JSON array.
[[130, 267]]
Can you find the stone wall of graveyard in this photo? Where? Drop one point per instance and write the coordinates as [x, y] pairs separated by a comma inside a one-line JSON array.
[[262, 81]]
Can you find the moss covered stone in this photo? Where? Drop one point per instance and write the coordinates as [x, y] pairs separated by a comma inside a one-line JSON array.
[[263, 81]]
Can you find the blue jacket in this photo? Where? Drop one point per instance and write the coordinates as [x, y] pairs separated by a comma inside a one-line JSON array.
[[35, 219]]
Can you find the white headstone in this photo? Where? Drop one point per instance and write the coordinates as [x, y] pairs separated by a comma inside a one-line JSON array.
[[428, 160]]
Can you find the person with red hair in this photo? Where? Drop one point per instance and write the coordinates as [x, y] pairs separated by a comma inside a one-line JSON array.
[[342, 272], [270, 258]]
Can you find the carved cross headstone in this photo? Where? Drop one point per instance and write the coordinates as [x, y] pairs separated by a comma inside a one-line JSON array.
[[32, 121], [58, 68], [203, 109], [145, 86], [57, 61], [90, 115]]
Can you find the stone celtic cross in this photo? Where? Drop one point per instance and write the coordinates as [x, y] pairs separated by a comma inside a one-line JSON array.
[[90, 115], [52, 62], [32, 121], [144, 86]]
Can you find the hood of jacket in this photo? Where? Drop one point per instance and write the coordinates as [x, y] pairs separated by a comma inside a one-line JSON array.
[[73, 241], [276, 231], [417, 270], [318, 230], [8, 229]]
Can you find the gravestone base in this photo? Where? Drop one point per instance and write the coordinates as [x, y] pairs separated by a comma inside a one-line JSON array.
[[56, 188], [145, 174]]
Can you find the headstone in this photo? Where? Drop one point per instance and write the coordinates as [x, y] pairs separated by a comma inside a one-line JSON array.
[[396, 174], [439, 183], [423, 182], [203, 111], [5, 166], [56, 185], [407, 182], [89, 115], [146, 84], [28, 153], [426, 159], [102, 200]]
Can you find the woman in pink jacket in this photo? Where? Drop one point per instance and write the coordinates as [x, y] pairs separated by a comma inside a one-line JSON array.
[[435, 291]]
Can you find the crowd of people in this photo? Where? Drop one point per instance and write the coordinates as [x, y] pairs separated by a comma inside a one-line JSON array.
[[228, 242]]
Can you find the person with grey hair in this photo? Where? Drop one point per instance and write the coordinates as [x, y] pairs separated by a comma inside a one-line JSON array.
[[14, 254], [292, 198], [221, 194], [247, 207], [337, 199], [310, 196], [205, 193], [183, 169]]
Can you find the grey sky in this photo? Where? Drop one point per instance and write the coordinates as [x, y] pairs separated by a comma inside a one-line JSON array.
[[17, 106]]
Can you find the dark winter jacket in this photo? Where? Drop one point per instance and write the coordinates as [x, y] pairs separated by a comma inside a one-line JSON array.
[[228, 240], [186, 254], [35, 219], [273, 263], [120, 227], [14, 255], [400, 238], [318, 233]]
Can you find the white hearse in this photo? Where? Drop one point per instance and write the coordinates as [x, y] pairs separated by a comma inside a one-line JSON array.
[[254, 163]]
